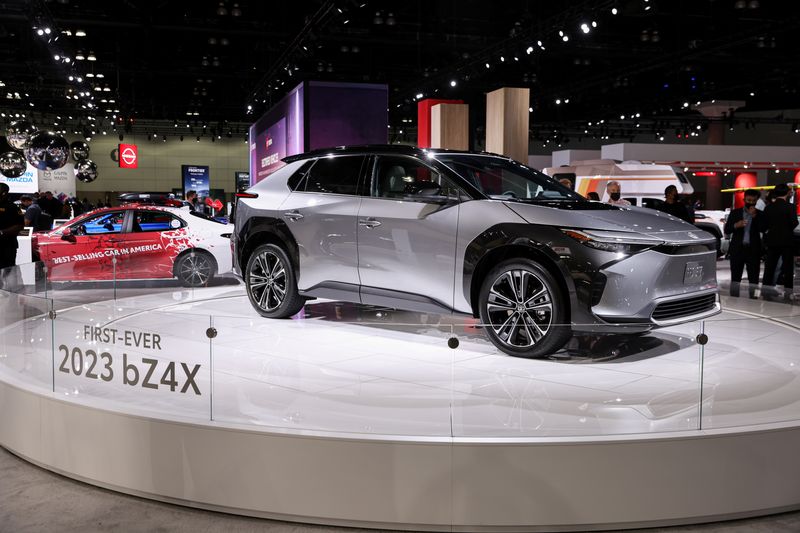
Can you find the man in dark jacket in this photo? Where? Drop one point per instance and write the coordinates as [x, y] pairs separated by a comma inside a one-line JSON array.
[[674, 206], [781, 219], [745, 225]]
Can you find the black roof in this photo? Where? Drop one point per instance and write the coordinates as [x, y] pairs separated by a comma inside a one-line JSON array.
[[401, 149]]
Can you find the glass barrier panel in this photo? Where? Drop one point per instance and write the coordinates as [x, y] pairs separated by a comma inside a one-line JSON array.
[[752, 360], [614, 380], [133, 360], [26, 342], [334, 367]]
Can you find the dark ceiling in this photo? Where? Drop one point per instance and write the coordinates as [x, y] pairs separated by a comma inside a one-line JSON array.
[[207, 61]]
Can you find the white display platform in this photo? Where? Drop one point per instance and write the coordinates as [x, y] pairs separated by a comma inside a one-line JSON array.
[[366, 417]]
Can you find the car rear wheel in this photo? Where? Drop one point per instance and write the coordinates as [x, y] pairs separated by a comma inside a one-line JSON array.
[[271, 283], [195, 269], [523, 309]]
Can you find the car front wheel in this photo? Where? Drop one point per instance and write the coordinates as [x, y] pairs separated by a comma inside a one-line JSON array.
[[523, 310], [271, 283]]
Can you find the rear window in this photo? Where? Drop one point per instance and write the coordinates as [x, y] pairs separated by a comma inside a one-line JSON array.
[[335, 175]]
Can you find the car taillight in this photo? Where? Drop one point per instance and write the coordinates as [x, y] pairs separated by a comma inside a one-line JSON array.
[[246, 195]]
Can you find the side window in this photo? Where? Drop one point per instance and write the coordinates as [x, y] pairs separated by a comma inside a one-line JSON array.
[[404, 177], [336, 175], [155, 220], [295, 181], [102, 224]]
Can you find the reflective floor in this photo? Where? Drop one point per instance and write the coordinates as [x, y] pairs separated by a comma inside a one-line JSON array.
[[355, 369]]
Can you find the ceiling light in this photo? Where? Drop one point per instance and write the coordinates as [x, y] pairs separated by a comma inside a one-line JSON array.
[[48, 31], [452, 83], [91, 57], [419, 95], [585, 28], [594, 24], [80, 33], [57, 57], [40, 32], [79, 56], [99, 75], [529, 50], [89, 75]]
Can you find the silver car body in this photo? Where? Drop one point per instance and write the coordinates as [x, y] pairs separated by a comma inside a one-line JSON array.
[[418, 255]]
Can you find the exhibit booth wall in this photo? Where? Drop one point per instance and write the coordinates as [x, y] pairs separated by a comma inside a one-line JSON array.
[[159, 163]]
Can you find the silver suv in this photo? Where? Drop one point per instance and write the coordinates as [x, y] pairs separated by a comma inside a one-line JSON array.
[[473, 233]]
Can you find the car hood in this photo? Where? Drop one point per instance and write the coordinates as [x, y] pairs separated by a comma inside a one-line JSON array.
[[639, 219]]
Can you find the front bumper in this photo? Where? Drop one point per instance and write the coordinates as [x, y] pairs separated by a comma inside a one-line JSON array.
[[656, 289]]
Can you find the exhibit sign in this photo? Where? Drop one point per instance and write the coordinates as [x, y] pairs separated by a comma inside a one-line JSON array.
[[242, 180], [59, 181], [25, 184], [128, 156], [196, 178]]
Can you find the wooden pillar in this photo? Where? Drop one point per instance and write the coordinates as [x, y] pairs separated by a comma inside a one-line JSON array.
[[507, 122], [450, 126]]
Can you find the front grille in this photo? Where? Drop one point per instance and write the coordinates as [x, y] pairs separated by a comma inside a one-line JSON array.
[[684, 307]]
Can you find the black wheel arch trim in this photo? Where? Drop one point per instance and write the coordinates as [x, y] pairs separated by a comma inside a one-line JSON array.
[[536, 242], [263, 230]]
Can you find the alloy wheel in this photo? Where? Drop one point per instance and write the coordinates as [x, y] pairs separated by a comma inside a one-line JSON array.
[[267, 281], [520, 308], [195, 269]]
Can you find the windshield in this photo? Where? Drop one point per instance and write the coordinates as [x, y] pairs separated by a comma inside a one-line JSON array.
[[504, 179]]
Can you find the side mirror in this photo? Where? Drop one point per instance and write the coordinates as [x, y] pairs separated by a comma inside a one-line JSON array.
[[67, 235]]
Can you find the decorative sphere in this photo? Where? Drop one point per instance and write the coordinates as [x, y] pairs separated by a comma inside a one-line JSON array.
[[47, 151], [19, 134], [12, 164], [86, 171], [79, 150]]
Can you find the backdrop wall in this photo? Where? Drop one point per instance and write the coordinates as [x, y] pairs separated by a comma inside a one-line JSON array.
[[160, 163]]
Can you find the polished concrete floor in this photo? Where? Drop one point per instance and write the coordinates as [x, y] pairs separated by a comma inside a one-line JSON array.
[[34, 500]]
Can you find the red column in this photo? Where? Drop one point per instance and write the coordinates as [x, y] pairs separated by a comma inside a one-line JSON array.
[[424, 119], [743, 179]]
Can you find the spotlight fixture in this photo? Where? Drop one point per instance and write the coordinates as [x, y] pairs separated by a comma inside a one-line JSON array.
[[453, 83]]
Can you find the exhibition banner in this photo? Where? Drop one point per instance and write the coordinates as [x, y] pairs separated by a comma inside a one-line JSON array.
[[196, 178], [270, 148], [59, 181], [26, 184]]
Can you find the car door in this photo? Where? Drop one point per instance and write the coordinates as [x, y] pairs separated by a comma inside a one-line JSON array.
[[150, 243], [321, 215], [407, 230], [86, 250]]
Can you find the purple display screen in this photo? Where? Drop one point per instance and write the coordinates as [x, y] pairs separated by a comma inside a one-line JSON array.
[[277, 134]]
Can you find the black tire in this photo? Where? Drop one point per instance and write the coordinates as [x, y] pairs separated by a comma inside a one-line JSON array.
[[271, 282], [535, 298], [195, 268]]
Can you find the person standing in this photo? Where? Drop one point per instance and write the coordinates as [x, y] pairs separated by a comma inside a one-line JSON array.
[[191, 197], [781, 220], [11, 223], [745, 225], [614, 190], [673, 206]]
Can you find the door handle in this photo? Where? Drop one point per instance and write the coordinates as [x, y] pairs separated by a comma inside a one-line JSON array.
[[369, 223], [293, 215]]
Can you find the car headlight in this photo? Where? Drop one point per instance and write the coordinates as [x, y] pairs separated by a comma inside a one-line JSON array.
[[623, 242]]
